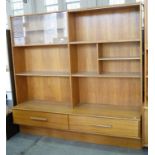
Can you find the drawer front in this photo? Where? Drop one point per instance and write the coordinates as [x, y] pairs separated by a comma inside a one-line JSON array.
[[105, 126], [40, 119]]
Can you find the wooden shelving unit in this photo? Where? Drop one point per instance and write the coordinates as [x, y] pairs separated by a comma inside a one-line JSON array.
[[80, 80]]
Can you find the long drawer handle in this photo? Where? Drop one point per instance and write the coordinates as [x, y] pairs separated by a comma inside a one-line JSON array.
[[103, 126], [38, 119]]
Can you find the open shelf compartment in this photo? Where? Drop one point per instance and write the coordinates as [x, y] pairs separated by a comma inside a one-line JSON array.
[[110, 91], [98, 24], [51, 89], [38, 29], [42, 61], [84, 58]]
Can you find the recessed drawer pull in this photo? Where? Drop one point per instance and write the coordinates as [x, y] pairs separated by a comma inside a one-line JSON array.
[[38, 119], [103, 126]]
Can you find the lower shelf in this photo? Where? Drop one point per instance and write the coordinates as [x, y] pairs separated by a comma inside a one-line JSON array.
[[125, 112], [44, 73]]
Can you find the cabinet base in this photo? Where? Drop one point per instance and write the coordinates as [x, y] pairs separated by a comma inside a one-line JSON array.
[[91, 138]]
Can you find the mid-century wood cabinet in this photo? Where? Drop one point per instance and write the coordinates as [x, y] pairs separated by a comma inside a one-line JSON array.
[[78, 74]]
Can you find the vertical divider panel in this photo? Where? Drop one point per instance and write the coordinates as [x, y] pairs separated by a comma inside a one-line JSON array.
[[74, 97], [98, 55], [73, 81], [141, 52], [70, 68]]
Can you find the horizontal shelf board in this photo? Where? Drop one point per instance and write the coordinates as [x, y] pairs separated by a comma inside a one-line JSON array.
[[36, 30], [82, 42], [34, 14], [106, 7], [85, 74], [115, 59], [30, 45], [44, 106], [104, 41], [106, 75], [110, 111], [44, 73]]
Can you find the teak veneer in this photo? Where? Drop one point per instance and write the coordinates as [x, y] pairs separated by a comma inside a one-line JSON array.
[[78, 74], [145, 107]]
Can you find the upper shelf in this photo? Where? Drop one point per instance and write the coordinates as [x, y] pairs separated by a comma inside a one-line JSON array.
[[44, 73], [79, 42], [79, 74], [31, 45], [107, 75], [104, 41]]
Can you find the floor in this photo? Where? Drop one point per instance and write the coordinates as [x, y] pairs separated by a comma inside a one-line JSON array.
[[22, 144]]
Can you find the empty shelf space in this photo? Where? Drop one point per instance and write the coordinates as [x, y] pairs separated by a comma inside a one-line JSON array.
[[43, 73], [44, 106], [104, 41], [109, 111], [117, 59], [119, 75]]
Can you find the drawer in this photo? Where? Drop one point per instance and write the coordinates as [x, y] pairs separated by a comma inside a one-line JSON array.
[[105, 126], [40, 119]]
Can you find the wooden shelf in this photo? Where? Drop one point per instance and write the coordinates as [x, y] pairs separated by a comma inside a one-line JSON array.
[[112, 111], [82, 42], [44, 106], [109, 111], [104, 41], [31, 45], [85, 74], [107, 75], [44, 73], [36, 30], [118, 59]]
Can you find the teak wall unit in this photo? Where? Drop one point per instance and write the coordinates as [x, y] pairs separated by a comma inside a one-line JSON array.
[[78, 74]]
